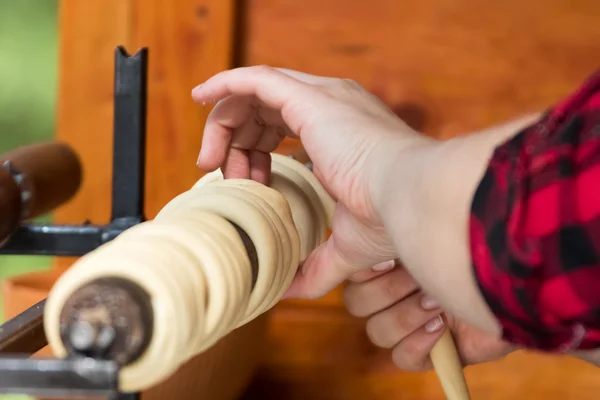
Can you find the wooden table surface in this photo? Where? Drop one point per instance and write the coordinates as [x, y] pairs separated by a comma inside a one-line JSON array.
[[324, 354]]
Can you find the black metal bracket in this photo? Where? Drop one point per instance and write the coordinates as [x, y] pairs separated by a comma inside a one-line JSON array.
[[24, 335]]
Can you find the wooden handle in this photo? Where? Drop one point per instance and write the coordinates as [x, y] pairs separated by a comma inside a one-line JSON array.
[[10, 204], [448, 367], [53, 171]]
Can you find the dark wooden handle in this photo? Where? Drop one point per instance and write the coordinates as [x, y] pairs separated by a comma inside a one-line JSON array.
[[52, 173], [10, 204]]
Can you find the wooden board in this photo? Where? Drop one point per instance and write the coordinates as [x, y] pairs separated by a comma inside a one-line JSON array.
[[188, 42], [447, 67], [89, 33], [319, 353]]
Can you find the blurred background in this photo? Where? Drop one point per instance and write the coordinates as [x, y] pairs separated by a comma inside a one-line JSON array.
[[447, 67], [28, 82]]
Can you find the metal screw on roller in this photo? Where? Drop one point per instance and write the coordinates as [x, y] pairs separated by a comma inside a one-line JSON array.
[[85, 336]]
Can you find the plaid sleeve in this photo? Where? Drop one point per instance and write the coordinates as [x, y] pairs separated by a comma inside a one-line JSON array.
[[535, 228]]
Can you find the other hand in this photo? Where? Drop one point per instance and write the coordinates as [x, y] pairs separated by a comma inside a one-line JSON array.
[[349, 135], [401, 317]]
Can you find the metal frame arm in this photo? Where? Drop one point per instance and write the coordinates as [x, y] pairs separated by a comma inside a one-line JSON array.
[[23, 335]]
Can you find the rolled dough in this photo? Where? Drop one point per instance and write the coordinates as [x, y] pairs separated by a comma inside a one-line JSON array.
[[193, 263]]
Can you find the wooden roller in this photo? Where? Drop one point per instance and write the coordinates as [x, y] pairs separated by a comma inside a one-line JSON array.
[[448, 368], [34, 180], [214, 258]]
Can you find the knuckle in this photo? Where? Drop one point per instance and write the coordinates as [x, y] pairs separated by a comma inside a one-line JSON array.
[[409, 357], [349, 296], [401, 321], [407, 315], [390, 288], [341, 86], [264, 69], [373, 333], [350, 83], [353, 301], [377, 332], [396, 285]]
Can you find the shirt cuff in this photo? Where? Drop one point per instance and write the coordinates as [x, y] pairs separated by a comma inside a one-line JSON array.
[[535, 229]]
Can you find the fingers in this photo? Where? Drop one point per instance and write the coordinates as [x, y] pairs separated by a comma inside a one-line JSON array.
[[324, 269], [269, 85], [238, 137], [250, 104], [402, 317], [373, 272], [236, 165], [366, 298], [261, 129], [244, 164], [412, 353], [392, 325], [308, 78], [242, 121], [260, 166], [351, 248], [219, 129]]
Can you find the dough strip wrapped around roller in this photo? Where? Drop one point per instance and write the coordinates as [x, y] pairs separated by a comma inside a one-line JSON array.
[[213, 259]]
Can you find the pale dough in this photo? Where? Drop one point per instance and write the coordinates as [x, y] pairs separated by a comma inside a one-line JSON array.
[[193, 263]]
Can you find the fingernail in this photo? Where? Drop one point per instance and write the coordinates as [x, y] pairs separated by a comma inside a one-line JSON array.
[[434, 325], [196, 90], [428, 303], [384, 266]]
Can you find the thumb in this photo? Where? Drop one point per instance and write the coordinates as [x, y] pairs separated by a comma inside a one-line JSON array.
[[351, 247], [323, 270]]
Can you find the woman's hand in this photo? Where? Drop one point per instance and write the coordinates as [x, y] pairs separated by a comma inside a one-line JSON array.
[[402, 318], [351, 138]]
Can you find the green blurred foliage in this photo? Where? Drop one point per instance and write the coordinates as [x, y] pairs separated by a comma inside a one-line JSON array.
[[28, 71], [28, 83]]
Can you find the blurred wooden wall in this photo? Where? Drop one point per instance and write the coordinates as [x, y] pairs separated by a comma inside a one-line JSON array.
[[446, 66]]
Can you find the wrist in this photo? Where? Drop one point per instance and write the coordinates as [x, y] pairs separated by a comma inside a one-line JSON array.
[[422, 193], [446, 176], [425, 207], [396, 169]]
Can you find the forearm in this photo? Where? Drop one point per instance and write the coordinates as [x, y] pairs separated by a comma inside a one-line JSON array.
[[434, 213]]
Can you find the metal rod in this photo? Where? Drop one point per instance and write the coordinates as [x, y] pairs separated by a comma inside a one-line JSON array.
[[54, 240], [126, 396], [76, 378], [25, 332], [129, 133]]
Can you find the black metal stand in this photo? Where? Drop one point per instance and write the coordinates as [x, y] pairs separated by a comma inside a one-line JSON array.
[[24, 334]]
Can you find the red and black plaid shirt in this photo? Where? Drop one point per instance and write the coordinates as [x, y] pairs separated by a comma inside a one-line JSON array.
[[535, 228]]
